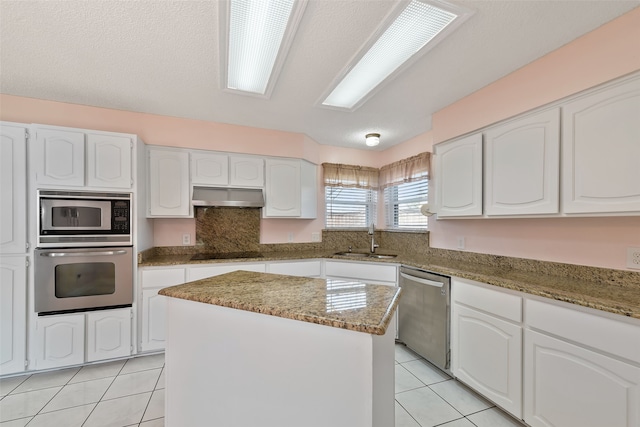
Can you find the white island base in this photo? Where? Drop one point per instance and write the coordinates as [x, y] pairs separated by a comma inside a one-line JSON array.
[[233, 368]]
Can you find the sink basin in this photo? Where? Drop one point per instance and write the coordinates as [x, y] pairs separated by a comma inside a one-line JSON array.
[[365, 255], [353, 254], [382, 256]]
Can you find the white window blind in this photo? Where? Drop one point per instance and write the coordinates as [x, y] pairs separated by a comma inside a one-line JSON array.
[[350, 207], [403, 203]]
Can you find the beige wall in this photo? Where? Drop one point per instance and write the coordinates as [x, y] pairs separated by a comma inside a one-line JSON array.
[[604, 54]]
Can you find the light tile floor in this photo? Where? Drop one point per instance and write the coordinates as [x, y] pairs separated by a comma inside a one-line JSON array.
[[131, 393]]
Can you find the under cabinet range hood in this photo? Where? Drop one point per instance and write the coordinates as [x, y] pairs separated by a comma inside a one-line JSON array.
[[228, 197]]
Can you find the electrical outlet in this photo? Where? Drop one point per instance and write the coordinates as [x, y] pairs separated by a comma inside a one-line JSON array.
[[290, 237], [460, 242], [633, 258], [315, 236], [186, 239]]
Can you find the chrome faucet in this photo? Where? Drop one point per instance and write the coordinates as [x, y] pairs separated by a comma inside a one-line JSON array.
[[374, 245]]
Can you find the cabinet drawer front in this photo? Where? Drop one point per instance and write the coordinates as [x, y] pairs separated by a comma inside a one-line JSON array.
[[302, 268], [162, 277], [197, 273], [619, 338], [494, 302], [362, 271]]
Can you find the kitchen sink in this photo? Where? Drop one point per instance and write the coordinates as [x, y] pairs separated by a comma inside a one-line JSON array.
[[365, 255]]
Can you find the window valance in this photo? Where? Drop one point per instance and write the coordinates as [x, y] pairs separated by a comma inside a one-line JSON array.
[[350, 176], [410, 169]]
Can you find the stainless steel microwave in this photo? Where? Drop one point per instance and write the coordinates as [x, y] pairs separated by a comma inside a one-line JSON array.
[[76, 218]]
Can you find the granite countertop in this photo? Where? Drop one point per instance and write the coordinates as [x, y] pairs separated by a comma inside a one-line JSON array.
[[354, 306], [618, 292]]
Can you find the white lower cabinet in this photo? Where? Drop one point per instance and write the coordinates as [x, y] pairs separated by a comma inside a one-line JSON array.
[[152, 310], [73, 339], [580, 369], [543, 361], [60, 341], [569, 385], [13, 314], [486, 343], [108, 334]]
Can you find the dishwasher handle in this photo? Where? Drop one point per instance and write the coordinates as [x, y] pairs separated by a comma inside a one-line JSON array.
[[421, 280]]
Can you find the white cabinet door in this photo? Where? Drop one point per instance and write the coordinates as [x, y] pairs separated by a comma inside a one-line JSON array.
[[282, 190], [108, 334], [600, 150], [59, 157], [109, 161], [13, 314], [169, 183], [153, 320], [522, 165], [290, 189], [59, 341], [487, 356], [246, 171], [568, 385], [458, 177], [209, 168], [368, 272], [152, 310], [13, 187]]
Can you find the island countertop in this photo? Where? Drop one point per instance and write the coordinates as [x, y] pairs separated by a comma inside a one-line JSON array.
[[348, 305]]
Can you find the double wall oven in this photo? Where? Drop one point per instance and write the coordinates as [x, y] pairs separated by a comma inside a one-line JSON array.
[[84, 255]]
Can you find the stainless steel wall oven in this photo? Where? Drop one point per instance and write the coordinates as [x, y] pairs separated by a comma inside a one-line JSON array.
[[68, 280], [84, 256]]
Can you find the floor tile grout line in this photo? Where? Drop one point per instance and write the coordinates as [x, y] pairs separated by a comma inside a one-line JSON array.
[[409, 413]]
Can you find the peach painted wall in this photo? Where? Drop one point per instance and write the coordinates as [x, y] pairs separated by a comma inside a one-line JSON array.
[[608, 52]]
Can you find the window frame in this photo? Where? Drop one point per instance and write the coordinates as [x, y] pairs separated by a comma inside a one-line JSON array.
[[370, 207], [392, 205]]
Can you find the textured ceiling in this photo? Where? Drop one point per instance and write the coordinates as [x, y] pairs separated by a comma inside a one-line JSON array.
[[161, 57]]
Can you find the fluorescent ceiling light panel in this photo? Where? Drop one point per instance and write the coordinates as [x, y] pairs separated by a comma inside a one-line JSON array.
[[259, 34], [416, 26]]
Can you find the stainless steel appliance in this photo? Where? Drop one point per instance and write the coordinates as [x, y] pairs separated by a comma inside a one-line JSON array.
[[77, 218], [424, 314], [68, 280]]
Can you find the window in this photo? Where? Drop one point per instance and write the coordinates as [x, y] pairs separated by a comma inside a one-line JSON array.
[[350, 207], [402, 204]]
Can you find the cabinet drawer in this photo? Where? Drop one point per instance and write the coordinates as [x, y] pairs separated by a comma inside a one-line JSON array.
[[362, 271], [197, 273], [162, 277], [495, 302], [619, 338], [300, 268]]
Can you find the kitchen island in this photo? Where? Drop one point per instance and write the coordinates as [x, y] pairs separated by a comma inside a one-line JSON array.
[[258, 349]]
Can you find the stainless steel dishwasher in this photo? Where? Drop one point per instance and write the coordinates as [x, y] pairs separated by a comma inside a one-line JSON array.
[[423, 315]]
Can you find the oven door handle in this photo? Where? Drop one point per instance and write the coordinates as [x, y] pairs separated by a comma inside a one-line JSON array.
[[421, 280], [83, 254]]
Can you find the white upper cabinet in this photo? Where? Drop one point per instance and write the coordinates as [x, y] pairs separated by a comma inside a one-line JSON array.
[[209, 168], [109, 161], [59, 157], [76, 158], [522, 161], [13, 187], [168, 190], [246, 171], [601, 150], [290, 189], [458, 165]]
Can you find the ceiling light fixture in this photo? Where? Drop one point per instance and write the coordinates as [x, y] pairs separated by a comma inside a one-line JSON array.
[[419, 24], [372, 139], [255, 36]]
